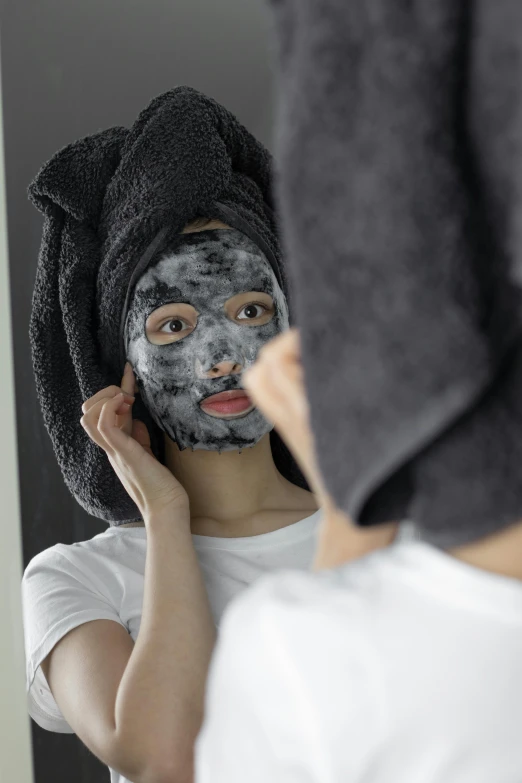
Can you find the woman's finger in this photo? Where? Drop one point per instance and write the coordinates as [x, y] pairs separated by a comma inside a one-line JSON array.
[[92, 415], [288, 382], [266, 395], [110, 429], [277, 396], [141, 434], [128, 381], [93, 433], [275, 381], [104, 394], [282, 363], [90, 420], [281, 398], [285, 347], [127, 387]]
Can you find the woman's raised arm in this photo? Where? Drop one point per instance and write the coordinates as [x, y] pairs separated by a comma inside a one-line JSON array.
[[139, 707]]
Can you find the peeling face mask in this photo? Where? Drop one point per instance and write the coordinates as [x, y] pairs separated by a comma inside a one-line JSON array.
[[220, 303]]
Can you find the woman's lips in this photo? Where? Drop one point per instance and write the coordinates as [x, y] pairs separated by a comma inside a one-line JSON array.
[[227, 405]]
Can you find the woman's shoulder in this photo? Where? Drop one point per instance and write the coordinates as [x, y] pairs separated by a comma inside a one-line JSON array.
[[92, 579], [99, 556], [67, 585], [58, 565], [54, 557], [57, 553]]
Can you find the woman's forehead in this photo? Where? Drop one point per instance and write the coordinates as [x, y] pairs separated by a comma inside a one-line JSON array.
[[210, 268]]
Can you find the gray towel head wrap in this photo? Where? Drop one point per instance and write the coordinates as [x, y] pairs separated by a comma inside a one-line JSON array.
[[111, 202], [400, 156]]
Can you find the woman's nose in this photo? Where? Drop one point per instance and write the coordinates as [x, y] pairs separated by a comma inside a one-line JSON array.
[[223, 368]]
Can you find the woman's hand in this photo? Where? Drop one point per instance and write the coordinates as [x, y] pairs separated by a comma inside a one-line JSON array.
[[108, 421], [275, 384]]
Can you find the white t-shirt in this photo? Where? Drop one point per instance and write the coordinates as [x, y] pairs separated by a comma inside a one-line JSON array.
[[102, 579], [402, 667]]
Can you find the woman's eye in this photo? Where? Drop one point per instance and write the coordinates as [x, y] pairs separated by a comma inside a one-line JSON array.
[[251, 311], [174, 326]]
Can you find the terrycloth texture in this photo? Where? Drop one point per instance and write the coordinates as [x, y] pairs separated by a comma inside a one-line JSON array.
[[399, 146], [105, 198]]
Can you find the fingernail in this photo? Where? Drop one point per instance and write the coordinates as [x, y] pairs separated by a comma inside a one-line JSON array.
[[125, 406]]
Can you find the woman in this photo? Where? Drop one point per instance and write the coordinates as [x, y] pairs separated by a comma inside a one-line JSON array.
[[204, 510], [404, 666]]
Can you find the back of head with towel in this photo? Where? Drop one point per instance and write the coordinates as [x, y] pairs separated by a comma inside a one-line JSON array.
[[399, 128]]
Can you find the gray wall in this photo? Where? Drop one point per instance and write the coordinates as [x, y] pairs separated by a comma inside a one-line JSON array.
[[70, 69]]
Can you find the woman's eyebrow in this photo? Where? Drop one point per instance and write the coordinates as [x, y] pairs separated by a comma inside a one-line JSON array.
[[252, 291], [152, 299], [154, 310]]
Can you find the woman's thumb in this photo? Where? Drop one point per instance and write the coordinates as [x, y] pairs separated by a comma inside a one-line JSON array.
[[140, 434]]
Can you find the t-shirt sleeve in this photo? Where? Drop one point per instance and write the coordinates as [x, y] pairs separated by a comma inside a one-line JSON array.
[[58, 594], [289, 698]]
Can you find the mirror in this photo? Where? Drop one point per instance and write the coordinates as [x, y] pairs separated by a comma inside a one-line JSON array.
[[70, 70]]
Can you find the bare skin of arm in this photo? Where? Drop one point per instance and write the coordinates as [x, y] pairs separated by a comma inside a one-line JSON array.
[[139, 707]]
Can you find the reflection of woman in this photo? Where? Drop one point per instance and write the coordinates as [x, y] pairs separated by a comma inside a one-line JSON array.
[[129, 270]]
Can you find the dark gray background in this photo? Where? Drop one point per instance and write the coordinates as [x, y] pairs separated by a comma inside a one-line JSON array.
[[70, 68]]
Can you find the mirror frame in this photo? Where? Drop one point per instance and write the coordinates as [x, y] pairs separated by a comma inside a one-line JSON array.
[[15, 736]]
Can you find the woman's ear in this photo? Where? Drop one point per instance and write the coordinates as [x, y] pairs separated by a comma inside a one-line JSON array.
[[76, 178]]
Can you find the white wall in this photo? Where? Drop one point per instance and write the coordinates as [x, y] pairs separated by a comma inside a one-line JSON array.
[[15, 749]]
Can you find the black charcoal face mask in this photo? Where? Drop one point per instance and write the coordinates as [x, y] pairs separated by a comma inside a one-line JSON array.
[[203, 271]]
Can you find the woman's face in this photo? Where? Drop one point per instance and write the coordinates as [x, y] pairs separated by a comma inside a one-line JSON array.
[[197, 319]]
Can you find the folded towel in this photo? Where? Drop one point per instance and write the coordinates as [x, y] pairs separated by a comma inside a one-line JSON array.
[[399, 142], [109, 200]]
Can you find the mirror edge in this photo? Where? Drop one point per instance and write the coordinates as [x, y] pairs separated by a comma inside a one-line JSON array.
[[15, 736]]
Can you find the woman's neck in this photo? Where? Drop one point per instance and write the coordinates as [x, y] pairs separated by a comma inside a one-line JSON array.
[[233, 493]]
